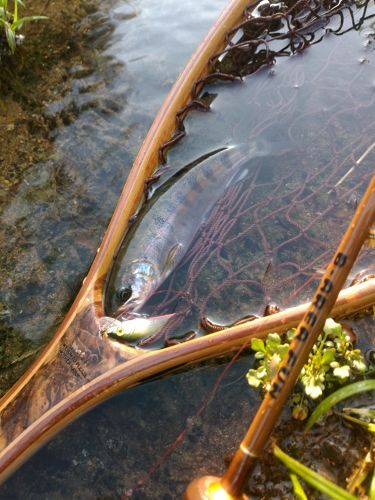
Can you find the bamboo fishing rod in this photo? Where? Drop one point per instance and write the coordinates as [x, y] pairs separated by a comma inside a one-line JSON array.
[[232, 484]]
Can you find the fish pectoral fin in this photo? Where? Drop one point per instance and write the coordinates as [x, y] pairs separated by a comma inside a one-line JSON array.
[[172, 257]]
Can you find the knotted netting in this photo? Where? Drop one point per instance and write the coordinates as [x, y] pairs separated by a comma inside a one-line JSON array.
[[270, 236]]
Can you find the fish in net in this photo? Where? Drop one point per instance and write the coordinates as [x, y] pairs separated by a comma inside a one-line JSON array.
[[271, 233]]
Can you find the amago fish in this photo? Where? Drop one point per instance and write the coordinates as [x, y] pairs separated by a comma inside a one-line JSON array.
[[166, 231]]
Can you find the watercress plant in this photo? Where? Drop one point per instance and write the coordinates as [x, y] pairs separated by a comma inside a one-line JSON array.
[[333, 360]]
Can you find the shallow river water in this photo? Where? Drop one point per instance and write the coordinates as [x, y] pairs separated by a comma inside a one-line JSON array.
[[310, 116]]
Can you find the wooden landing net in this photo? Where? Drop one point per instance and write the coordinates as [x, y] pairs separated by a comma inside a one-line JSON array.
[[80, 368]]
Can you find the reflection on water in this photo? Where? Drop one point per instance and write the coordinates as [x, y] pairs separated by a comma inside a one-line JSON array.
[[52, 224]]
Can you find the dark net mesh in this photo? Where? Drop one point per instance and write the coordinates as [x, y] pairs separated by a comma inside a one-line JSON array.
[[269, 31], [270, 236]]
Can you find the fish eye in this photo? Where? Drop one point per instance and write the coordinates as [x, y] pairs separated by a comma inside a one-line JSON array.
[[124, 293]]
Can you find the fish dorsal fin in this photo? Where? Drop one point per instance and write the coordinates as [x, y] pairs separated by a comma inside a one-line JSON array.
[[172, 258]]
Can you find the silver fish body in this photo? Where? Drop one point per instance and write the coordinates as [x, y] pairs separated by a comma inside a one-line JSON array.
[[168, 228]]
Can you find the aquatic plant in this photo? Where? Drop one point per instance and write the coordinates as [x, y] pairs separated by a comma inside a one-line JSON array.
[[270, 354], [332, 360], [11, 23], [366, 419], [297, 488], [313, 478], [337, 396]]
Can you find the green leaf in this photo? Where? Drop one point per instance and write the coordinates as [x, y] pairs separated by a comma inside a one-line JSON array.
[[22, 20], [316, 480], [273, 341], [257, 345], [274, 338], [372, 486], [290, 333], [10, 36], [297, 487], [283, 349], [361, 412], [336, 397], [366, 425], [328, 356]]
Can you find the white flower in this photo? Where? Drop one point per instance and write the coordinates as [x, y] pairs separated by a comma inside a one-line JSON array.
[[252, 378], [359, 365], [332, 328], [261, 373], [253, 381], [314, 390], [342, 371]]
